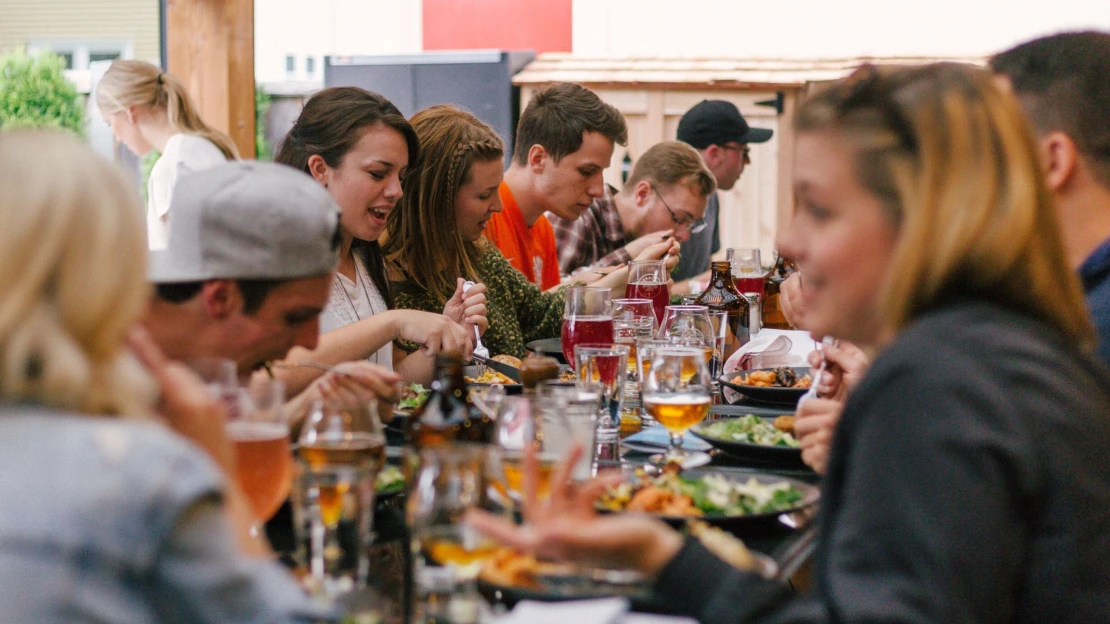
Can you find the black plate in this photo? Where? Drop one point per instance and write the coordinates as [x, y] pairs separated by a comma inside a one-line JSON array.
[[750, 524], [472, 371], [784, 396], [551, 590], [779, 455], [551, 347]]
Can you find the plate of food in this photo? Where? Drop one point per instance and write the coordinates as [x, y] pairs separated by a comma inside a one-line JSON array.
[[490, 376], [509, 576], [738, 503], [784, 384], [764, 438]]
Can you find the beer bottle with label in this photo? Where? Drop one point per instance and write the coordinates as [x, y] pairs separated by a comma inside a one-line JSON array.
[[722, 294], [772, 282], [449, 415]]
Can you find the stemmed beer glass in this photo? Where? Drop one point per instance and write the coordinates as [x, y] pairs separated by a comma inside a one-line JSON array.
[[677, 393]]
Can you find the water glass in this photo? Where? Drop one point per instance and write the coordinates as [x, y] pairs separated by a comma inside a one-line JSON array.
[[688, 325], [602, 369], [579, 410], [339, 454], [632, 319]]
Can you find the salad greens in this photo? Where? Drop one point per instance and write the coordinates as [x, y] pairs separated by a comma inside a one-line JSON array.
[[390, 479], [413, 397], [715, 494], [750, 429]]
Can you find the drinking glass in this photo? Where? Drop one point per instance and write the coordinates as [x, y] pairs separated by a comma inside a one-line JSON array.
[[340, 454], [746, 269], [721, 331], [645, 351], [647, 279], [632, 319], [602, 369], [452, 480], [579, 410], [688, 325], [677, 393], [549, 433], [264, 459], [220, 377], [587, 317]]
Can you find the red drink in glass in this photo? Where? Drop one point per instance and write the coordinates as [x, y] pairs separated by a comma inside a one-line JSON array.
[[585, 330], [660, 297], [749, 284]]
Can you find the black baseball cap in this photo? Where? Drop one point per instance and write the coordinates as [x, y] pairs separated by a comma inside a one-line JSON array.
[[716, 122]]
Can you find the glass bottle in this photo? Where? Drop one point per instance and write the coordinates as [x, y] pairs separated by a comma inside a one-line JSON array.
[[449, 415], [721, 294], [772, 282]]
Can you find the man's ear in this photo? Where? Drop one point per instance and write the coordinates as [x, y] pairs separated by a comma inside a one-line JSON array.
[[641, 193], [1059, 159], [711, 155], [319, 169], [537, 158], [221, 298]]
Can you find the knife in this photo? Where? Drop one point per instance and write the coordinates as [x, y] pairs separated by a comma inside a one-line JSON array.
[[511, 372]]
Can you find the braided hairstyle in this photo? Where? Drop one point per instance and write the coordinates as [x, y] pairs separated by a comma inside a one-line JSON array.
[[422, 241]]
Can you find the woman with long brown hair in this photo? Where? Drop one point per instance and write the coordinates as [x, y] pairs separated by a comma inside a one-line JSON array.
[[149, 109], [969, 479], [360, 147]]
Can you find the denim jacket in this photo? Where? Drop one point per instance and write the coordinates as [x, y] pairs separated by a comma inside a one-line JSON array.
[[105, 520]]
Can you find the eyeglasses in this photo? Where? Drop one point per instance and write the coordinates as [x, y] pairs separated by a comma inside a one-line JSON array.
[[745, 152], [687, 223]]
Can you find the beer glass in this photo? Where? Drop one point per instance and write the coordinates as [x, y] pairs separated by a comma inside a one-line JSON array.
[[264, 460], [677, 393], [340, 454], [587, 317], [632, 319], [579, 410], [688, 325], [645, 351], [549, 433], [647, 279], [746, 269], [602, 369]]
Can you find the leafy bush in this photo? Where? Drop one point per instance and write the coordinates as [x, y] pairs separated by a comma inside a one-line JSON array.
[[34, 93], [262, 101]]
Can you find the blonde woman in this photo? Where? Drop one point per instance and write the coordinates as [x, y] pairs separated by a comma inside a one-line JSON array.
[[110, 516], [969, 479], [149, 109]]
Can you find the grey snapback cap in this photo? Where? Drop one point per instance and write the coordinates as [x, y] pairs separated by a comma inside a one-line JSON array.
[[248, 220]]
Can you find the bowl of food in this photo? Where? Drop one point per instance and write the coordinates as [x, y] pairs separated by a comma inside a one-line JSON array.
[[761, 438]]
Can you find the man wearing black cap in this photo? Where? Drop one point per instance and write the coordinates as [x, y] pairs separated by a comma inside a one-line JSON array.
[[721, 134]]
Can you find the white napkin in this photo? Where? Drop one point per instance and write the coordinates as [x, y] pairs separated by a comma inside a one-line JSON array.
[[767, 349], [600, 611]]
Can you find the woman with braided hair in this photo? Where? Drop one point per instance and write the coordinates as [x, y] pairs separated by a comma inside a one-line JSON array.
[[148, 109], [360, 147], [437, 234]]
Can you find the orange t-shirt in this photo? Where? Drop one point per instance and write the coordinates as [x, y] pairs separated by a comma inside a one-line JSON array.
[[530, 249]]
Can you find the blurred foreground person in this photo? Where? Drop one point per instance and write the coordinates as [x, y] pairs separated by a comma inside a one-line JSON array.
[[109, 515], [968, 480]]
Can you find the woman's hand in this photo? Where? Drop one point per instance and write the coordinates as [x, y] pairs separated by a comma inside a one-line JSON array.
[[847, 364], [566, 527], [186, 405], [433, 332], [469, 308], [360, 384], [814, 424]]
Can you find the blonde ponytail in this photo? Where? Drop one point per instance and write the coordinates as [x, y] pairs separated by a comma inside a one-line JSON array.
[[130, 83]]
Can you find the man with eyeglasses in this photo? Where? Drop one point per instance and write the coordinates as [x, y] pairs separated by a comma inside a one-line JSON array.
[[664, 198], [721, 135]]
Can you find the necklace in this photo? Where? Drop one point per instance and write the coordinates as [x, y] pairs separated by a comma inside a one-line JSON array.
[[360, 279]]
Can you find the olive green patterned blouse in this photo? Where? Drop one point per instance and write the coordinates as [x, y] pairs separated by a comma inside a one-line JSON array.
[[517, 310]]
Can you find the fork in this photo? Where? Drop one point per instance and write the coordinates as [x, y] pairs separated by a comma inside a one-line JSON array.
[[827, 341], [479, 349]]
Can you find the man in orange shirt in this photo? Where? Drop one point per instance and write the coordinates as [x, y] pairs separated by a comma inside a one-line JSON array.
[[564, 141]]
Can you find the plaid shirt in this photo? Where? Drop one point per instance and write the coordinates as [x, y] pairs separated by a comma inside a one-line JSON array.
[[596, 239]]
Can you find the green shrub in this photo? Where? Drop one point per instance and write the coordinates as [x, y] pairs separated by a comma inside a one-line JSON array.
[[34, 93], [262, 102]]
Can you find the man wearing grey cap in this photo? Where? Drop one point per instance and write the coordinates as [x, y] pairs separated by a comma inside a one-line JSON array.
[[721, 135], [252, 251]]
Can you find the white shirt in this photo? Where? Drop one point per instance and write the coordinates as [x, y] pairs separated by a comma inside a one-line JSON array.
[[184, 154], [352, 301]]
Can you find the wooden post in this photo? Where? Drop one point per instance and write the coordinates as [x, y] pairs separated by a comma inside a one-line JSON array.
[[210, 46]]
